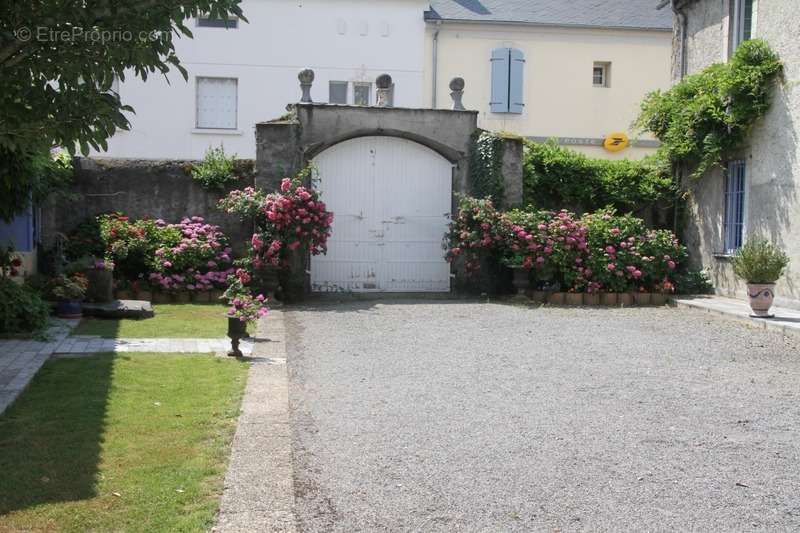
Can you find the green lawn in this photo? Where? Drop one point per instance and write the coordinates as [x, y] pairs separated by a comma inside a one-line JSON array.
[[201, 321], [135, 442]]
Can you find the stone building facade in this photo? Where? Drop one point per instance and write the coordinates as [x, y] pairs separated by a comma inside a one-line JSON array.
[[757, 195]]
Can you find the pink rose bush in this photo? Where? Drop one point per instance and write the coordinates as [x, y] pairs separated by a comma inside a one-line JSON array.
[[198, 259], [287, 220], [600, 251]]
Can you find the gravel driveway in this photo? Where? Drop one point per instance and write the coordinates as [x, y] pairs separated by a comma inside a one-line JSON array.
[[452, 416]]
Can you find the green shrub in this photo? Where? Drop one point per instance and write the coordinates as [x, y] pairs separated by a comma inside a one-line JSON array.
[[22, 310], [693, 282], [759, 261], [557, 177], [216, 171], [709, 114]]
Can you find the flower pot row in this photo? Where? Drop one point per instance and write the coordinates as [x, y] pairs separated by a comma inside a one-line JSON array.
[[178, 297], [607, 299]]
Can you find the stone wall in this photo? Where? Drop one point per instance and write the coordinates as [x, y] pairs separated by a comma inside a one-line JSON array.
[[138, 188], [772, 154]]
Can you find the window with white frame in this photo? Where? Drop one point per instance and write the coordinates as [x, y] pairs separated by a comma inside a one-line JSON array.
[[217, 103], [207, 21], [601, 74], [741, 22], [735, 178], [362, 92], [337, 92], [508, 81]]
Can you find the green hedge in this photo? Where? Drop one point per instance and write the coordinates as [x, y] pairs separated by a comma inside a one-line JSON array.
[[556, 177]]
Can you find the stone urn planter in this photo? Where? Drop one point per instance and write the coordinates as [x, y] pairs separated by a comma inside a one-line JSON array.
[[101, 285], [237, 330], [761, 296], [69, 309]]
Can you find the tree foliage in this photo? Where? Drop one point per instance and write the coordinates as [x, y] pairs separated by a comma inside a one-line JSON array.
[[59, 59], [708, 115]]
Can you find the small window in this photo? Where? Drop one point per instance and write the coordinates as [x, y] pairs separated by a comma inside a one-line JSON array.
[[337, 91], [205, 21], [741, 22], [735, 176], [601, 74], [361, 93], [508, 69], [217, 102]]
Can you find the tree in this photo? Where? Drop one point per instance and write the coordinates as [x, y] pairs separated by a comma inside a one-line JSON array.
[[58, 61]]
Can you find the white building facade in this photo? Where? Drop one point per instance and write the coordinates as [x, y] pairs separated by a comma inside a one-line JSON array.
[[246, 73]]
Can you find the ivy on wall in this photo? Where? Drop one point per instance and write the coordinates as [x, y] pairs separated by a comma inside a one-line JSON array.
[[708, 115], [556, 177], [485, 166]]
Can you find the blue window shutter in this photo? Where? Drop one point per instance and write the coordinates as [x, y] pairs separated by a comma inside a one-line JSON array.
[[19, 232], [499, 100], [516, 81]]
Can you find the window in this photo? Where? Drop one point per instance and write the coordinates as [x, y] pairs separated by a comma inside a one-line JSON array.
[[741, 22], [207, 21], [337, 92], [508, 65], [601, 75], [217, 103], [361, 93], [734, 205]]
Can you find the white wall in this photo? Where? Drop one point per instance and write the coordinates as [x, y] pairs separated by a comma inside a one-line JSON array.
[[560, 99], [282, 38]]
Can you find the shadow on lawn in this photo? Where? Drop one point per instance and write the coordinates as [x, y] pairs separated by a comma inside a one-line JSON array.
[[51, 437]]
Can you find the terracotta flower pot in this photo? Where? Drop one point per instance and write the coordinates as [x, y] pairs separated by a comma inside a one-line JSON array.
[[659, 299], [556, 298], [608, 298], [643, 298], [539, 297], [161, 298], [591, 298], [761, 296], [574, 299], [626, 299], [202, 297], [146, 296]]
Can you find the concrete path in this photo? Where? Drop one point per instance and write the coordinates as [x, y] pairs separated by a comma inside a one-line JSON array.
[[21, 359], [786, 321], [87, 345], [259, 491], [442, 417]]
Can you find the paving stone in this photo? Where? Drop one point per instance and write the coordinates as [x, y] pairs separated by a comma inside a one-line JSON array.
[[119, 309]]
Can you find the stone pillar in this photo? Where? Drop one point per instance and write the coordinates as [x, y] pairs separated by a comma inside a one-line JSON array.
[[457, 93], [306, 78], [512, 171], [384, 90]]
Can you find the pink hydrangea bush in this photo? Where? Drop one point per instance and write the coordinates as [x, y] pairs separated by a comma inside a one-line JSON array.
[[243, 305], [293, 218], [199, 260], [477, 231]]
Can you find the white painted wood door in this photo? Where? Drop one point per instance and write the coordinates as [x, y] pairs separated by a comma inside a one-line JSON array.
[[390, 198]]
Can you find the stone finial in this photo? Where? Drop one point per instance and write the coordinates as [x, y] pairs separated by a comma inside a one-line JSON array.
[[457, 93], [383, 92], [306, 78]]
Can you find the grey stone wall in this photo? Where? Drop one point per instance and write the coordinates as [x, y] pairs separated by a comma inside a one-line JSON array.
[[772, 153], [155, 189]]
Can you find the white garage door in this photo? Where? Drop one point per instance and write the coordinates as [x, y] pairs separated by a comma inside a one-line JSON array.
[[390, 198]]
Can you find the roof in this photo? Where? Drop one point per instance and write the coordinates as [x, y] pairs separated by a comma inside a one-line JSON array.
[[631, 14]]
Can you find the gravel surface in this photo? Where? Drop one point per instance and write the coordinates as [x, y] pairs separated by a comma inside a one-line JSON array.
[[452, 416]]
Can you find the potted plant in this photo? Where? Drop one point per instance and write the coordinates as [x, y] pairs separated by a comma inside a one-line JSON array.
[[760, 264], [244, 309], [70, 292]]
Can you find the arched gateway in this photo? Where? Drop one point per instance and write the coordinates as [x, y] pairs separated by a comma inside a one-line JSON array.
[[389, 176]]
